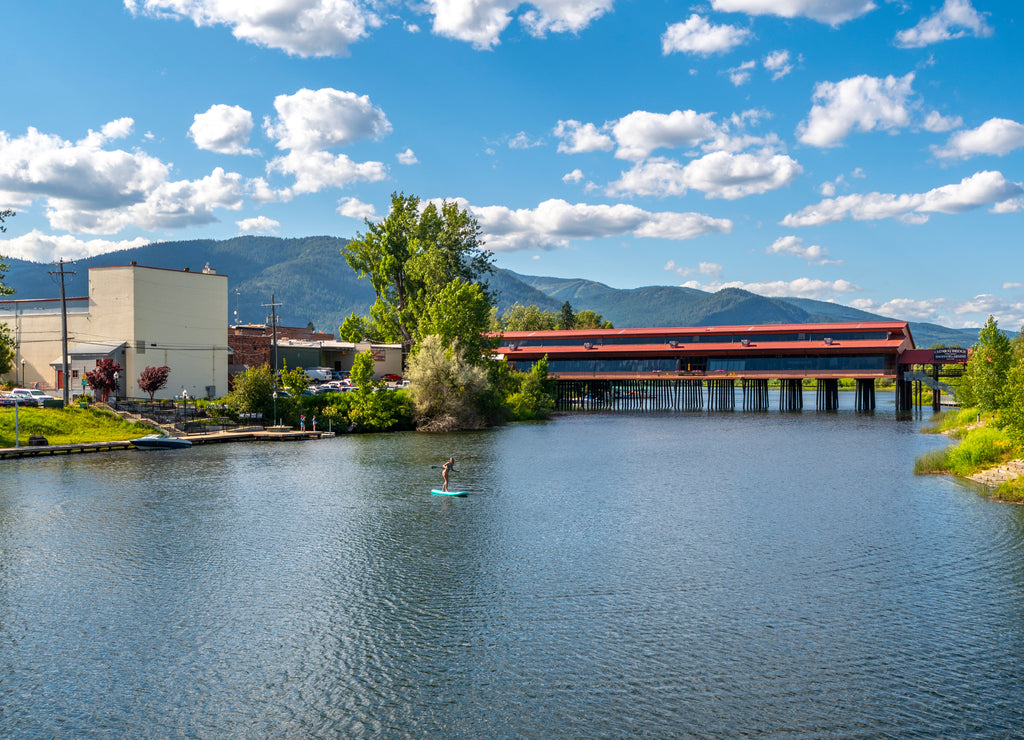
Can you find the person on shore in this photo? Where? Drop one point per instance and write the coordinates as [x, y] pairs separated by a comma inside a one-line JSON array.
[[302, 422], [314, 423], [445, 470]]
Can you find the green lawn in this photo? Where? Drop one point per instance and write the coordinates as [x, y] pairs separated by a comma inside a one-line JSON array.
[[70, 425]]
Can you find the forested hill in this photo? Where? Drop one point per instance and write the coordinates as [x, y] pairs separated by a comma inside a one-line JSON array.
[[311, 281]]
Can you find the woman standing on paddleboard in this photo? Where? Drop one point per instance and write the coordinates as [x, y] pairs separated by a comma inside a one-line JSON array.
[[445, 469]]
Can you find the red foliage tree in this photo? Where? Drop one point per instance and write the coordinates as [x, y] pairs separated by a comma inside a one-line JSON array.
[[153, 379], [101, 379]]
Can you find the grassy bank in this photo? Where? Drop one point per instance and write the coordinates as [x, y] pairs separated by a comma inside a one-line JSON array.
[[981, 445], [66, 426]]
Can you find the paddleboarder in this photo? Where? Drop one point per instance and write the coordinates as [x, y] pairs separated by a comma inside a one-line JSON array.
[[445, 469]]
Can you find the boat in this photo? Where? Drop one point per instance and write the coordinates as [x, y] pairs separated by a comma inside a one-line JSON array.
[[160, 442]]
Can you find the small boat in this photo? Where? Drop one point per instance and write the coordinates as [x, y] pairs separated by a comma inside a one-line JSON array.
[[160, 442]]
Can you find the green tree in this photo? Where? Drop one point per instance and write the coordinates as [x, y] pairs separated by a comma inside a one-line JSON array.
[[295, 381], [410, 256], [1013, 401], [460, 312], [988, 367], [253, 392], [446, 389], [354, 329], [567, 319], [8, 344], [590, 320], [534, 399], [527, 318]]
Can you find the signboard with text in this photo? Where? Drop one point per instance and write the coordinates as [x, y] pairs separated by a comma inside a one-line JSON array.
[[950, 354]]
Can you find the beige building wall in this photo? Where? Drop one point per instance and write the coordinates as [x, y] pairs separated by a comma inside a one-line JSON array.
[[35, 325], [166, 317]]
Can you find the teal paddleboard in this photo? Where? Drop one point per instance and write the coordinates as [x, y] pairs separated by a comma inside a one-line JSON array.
[[448, 493]]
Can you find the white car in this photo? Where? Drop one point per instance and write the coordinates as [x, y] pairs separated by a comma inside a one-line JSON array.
[[30, 395]]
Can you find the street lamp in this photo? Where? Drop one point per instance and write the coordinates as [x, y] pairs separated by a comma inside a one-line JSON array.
[[116, 387], [275, 407], [22, 372]]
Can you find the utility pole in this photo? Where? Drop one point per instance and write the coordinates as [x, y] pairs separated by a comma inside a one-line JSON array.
[[273, 313], [65, 369]]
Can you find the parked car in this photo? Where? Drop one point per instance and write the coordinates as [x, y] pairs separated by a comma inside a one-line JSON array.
[[392, 378], [6, 399], [30, 395]]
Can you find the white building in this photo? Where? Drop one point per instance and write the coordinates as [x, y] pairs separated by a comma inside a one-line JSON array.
[[138, 316]]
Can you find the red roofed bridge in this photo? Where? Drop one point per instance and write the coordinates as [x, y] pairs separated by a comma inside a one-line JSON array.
[[672, 368]]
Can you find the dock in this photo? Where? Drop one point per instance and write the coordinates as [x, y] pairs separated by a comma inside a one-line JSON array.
[[274, 434]]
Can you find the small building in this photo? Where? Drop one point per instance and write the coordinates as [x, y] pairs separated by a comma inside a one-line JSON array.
[[138, 316], [252, 345]]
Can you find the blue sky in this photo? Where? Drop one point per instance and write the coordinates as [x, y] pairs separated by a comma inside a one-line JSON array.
[[868, 152]]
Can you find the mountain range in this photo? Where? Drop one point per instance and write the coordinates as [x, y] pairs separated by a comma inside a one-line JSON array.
[[310, 283]]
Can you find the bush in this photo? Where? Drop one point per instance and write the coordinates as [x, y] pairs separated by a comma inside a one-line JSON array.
[[980, 448]]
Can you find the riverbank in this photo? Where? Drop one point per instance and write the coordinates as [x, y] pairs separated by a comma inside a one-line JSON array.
[[983, 453]]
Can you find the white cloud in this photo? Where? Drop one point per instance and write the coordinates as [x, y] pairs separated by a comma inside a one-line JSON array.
[[522, 140], [1013, 286], [320, 119], [937, 123], [1013, 205], [697, 36], [90, 189], [795, 246], [996, 136], [641, 132], [578, 138], [833, 12], [980, 189], [718, 175], [956, 19], [861, 102], [481, 22], [355, 208], [554, 223], [712, 270], [778, 63], [224, 129], [741, 75], [258, 225], [576, 176], [798, 288], [118, 129], [299, 27], [39, 247], [904, 308], [407, 157], [314, 171]]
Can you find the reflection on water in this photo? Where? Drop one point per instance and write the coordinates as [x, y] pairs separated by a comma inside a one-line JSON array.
[[704, 575]]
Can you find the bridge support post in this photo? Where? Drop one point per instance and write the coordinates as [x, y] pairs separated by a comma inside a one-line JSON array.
[[865, 394], [791, 394], [755, 394], [721, 395], [827, 394]]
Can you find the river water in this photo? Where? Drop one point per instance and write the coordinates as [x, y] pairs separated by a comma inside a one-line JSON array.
[[713, 575]]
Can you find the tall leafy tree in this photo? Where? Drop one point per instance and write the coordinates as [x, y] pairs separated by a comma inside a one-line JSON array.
[[527, 318], [410, 256], [1013, 400], [460, 312], [592, 320], [988, 367], [8, 344]]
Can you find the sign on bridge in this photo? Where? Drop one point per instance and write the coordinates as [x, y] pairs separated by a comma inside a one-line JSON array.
[[950, 355]]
